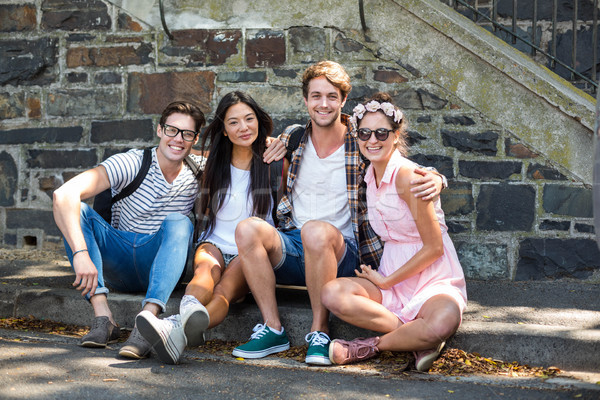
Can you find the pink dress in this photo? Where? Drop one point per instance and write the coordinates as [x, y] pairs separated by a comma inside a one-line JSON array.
[[391, 219]]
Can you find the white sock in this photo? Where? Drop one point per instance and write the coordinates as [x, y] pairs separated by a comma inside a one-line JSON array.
[[187, 301], [276, 331]]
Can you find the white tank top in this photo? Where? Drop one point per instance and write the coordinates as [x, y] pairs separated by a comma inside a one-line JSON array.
[[319, 191], [237, 206]]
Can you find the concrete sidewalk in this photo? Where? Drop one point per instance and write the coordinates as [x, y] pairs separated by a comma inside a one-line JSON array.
[[536, 323]]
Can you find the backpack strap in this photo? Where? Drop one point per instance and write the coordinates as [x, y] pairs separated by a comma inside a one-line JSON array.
[[137, 181], [294, 141], [193, 165], [276, 181]]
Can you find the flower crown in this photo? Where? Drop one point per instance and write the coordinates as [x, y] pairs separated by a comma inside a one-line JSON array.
[[372, 106]]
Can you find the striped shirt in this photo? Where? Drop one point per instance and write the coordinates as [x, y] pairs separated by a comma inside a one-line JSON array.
[[370, 247], [146, 208]]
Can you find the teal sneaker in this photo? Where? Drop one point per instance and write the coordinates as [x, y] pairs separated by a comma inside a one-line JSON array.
[[318, 348], [262, 343]]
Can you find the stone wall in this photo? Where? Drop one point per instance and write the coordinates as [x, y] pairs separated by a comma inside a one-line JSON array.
[[82, 80]]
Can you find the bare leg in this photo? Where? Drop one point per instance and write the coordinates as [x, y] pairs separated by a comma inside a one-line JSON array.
[[99, 303], [437, 320], [231, 287], [358, 302], [208, 264], [259, 248], [323, 248]]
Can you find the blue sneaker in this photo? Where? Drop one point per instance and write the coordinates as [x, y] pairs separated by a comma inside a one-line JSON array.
[[262, 343], [318, 348]]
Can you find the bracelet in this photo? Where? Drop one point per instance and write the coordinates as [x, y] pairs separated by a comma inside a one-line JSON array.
[[79, 251]]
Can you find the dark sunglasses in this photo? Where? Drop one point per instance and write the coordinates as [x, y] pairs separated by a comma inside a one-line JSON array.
[[381, 134]]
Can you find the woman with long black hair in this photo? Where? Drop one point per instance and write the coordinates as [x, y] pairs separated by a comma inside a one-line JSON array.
[[236, 184]]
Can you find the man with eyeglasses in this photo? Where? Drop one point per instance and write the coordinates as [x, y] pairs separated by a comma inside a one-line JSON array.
[[145, 247]]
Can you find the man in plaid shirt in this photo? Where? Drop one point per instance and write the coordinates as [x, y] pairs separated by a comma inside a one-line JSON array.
[[323, 228]]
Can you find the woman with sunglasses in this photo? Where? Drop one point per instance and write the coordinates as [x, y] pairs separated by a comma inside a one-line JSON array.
[[236, 184], [418, 294]]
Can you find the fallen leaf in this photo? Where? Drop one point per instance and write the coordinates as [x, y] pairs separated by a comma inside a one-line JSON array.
[[110, 380]]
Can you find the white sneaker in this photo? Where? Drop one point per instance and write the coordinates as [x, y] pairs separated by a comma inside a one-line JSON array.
[[164, 335], [195, 320]]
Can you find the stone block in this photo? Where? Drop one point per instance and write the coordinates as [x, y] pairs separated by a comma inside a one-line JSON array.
[[35, 107], [486, 261], [413, 138], [12, 105], [407, 99], [549, 225], [585, 228], [458, 226], [109, 56], [25, 218], [108, 78], [278, 100], [122, 130], [9, 178], [17, 18], [80, 37], [388, 76], [30, 239], [483, 143], [430, 101], [568, 200], [77, 77], [489, 169], [346, 45], [443, 164], [242, 76], [48, 184], [542, 259], [457, 198], [78, 103], [126, 23], [308, 43], [71, 15], [518, 150], [265, 48], [285, 73], [505, 207], [28, 62], [60, 159], [220, 45], [458, 120], [41, 135], [424, 119], [538, 171], [151, 93]]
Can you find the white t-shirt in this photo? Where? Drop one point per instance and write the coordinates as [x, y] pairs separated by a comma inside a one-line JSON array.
[[237, 206], [319, 191], [145, 209]]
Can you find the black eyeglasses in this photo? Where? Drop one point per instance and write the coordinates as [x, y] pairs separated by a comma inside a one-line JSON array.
[[381, 134], [172, 131]]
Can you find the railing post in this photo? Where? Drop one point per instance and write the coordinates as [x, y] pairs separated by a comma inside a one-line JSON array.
[[554, 12], [595, 43], [534, 26], [574, 48], [514, 22]]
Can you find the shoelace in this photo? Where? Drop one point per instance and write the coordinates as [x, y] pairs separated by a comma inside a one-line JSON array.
[[317, 338], [259, 331], [175, 320]]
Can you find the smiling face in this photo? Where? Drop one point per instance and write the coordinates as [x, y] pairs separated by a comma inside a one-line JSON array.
[[324, 102], [175, 149], [377, 151], [241, 125]]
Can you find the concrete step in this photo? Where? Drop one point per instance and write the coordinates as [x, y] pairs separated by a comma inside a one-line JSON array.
[[537, 323]]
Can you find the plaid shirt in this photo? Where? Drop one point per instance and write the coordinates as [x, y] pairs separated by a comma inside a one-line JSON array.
[[369, 245]]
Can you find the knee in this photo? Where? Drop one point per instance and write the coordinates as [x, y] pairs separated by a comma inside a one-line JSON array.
[[178, 226], [331, 296], [247, 233], [441, 327], [318, 235]]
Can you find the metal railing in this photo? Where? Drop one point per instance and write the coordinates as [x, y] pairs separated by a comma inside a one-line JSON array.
[[486, 13]]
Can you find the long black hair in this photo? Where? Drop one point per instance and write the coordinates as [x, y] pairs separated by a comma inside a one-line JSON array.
[[216, 178]]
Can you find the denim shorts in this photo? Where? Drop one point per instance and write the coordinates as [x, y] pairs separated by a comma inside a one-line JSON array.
[[227, 258], [291, 270]]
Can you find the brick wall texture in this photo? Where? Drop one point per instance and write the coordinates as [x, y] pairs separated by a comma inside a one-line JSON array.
[[80, 81]]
